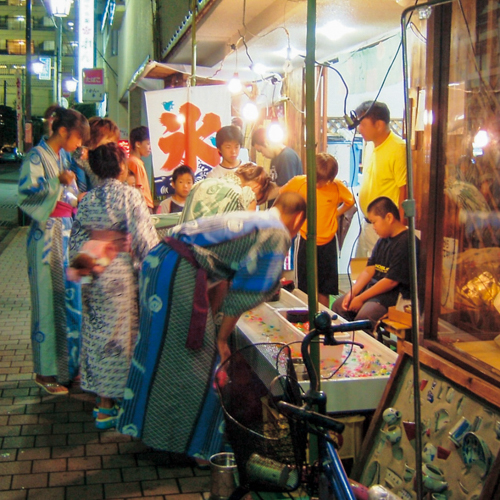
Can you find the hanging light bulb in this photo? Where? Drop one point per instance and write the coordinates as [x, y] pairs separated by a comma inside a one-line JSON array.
[[234, 84], [288, 67], [250, 112], [275, 132]]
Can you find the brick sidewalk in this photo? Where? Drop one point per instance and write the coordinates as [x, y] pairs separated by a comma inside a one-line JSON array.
[[50, 448]]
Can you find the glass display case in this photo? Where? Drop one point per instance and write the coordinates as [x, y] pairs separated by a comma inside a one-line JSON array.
[[457, 153]]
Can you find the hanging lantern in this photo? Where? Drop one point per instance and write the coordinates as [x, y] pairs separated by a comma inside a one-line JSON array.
[[60, 8]]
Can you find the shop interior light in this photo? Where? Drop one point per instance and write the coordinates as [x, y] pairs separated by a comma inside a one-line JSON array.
[[234, 84], [288, 52], [481, 139], [335, 30], [259, 68], [250, 112], [275, 132]]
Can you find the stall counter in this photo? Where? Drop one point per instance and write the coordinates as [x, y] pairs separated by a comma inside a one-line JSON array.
[[357, 386]]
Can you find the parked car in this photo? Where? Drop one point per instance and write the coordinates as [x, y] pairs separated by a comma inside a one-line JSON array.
[[9, 154]]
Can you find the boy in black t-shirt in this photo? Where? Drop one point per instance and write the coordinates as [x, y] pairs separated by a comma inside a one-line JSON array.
[[387, 273]]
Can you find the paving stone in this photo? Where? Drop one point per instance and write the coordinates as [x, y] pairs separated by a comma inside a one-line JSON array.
[[40, 408], [7, 455], [68, 478], [139, 473], [160, 487], [23, 419], [111, 461], [52, 465], [34, 430], [186, 496], [53, 418], [46, 494], [19, 442], [73, 428], [12, 409], [10, 430], [29, 481], [91, 492], [132, 447], [103, 476], [84, 463], [85, 438], [5, 482], [80, 416], [102, 449], [114, 437], [193, 484], [14, 495], [68, 451], [122, 490], [49, 440], [167, 472], [34, 454]]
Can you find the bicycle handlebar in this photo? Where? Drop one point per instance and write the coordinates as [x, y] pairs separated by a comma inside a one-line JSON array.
[[311, 417], [323, 326]]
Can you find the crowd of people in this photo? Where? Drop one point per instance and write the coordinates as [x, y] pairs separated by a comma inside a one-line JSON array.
[[143, 323]]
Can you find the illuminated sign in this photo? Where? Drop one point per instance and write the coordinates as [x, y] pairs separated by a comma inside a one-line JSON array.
[[93, 85], [86, 40], [45, 74]]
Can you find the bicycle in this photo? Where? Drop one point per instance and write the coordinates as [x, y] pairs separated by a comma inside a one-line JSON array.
[[268, 418]]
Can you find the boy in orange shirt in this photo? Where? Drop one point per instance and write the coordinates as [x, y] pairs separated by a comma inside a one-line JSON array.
[[140, 146], [332, 200]]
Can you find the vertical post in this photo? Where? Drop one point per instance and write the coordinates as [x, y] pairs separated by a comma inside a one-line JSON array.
[[28, 141], [59, 59], [5, 92], [312, 277], [194, 9]]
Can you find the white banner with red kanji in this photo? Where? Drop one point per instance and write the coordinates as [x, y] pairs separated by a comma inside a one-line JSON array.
[[182, 126]]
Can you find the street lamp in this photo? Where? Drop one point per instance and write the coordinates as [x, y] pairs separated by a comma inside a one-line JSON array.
[[60, 9], [71, 85]]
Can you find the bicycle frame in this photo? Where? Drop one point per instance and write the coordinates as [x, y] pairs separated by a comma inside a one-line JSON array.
[[329, 459]]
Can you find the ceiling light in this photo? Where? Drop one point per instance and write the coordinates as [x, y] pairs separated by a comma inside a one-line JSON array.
[[259, 68], [250, 112], [334, 30], [275, 132], [288, 53], [234, 84]]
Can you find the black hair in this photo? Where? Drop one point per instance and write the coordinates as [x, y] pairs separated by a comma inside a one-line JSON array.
[[138, 134], [229, 133], [259, 137], [290, 203], [183, 169], [106, 160], [382, 206], [71, 120], [374, 110]]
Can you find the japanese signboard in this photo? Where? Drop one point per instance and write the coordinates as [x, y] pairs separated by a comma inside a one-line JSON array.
[[93, 85], [182, 127]]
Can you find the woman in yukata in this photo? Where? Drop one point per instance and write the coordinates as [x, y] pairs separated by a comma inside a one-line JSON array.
[[47, 193], [111, 235]]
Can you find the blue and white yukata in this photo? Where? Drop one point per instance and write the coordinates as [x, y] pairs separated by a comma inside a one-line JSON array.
[[55, 301], [170, 401], [110, 303]]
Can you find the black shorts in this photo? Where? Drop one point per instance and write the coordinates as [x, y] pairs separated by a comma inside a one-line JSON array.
[[328, 269]]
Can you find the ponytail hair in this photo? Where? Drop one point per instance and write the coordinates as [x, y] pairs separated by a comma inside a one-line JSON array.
[[71, 120], [106, 160]]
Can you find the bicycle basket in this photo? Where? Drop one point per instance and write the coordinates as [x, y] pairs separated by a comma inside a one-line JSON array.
[[269, 448]]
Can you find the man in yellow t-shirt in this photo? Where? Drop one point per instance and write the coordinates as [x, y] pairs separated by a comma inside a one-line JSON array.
[[384, 171], [332, 200]]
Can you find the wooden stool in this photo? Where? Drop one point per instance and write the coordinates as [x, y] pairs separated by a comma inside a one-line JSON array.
[[401, 330]]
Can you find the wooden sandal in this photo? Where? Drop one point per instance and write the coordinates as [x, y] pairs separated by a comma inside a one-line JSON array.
[[53, 388]]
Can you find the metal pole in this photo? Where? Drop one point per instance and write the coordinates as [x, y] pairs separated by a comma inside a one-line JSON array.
[[28, 141], [5, 92], [409, 209], [193, 41], [312, 277], [59, 60]]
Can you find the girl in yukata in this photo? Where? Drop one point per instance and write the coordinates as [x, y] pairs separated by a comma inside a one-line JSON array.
[[47, 193], [111, 235]]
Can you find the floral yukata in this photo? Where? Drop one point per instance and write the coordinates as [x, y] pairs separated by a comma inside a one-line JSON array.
[[110, 301], [55, 301], [170, 401]]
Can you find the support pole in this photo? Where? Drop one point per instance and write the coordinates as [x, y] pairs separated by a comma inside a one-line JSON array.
[[59, 60], [28, 141], [312, 277], [194, 10]]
